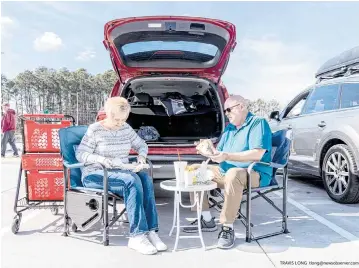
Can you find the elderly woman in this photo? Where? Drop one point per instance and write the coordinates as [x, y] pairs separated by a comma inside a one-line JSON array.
[[109, 142]]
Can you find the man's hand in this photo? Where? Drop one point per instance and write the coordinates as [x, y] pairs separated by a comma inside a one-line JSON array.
[[219, 157], [215, 153], [206, 148]]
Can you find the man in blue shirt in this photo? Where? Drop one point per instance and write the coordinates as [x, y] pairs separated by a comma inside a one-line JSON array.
[[247, 138]]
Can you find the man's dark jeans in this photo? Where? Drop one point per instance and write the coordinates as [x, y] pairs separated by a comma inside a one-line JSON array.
[[8, 137]]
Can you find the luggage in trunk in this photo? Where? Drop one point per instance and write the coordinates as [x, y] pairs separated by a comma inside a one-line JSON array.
[[187, 127], [182, 111]]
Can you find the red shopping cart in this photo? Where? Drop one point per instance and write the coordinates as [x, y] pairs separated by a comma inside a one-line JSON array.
[[41, 164]]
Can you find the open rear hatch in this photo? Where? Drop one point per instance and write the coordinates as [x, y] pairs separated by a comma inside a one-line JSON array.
[[169, 44]]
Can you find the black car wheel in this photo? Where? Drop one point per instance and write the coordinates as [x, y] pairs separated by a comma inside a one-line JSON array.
[[339, 171]]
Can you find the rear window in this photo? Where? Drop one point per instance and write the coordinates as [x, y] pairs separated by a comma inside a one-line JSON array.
[[140, 47], [170, 50], [350, 95]]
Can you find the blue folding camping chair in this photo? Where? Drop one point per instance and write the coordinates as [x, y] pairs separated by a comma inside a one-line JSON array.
[[281, 143], [83, 206]]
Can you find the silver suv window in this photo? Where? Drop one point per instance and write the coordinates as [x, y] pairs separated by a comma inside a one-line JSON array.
[[323, 98], [297, 109], [350, 95]]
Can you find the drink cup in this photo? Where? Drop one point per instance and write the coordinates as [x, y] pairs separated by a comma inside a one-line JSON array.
[[180, 167]]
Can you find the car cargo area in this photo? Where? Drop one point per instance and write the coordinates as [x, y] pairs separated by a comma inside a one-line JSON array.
[[181, 110]]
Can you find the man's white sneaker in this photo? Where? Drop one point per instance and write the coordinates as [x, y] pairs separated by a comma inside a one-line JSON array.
[[141, 244], [156, 241]]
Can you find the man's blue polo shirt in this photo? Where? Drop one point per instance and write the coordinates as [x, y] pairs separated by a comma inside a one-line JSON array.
[[255, 133]]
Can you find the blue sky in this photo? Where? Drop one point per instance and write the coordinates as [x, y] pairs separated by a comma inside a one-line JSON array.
[[280, 44]]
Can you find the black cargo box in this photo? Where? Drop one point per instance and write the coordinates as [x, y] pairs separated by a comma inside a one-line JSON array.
[[342, 61]]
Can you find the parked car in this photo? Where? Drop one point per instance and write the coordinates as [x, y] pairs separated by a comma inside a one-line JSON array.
[[324, 119], [170, 70]]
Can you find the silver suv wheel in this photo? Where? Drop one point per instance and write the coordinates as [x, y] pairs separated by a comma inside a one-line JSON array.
[[337, 173], [340, 174]]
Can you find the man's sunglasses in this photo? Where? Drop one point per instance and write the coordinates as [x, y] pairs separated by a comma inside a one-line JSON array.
[[228, 110]]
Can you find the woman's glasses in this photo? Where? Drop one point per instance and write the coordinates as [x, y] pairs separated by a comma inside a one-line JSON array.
[[228, 110]]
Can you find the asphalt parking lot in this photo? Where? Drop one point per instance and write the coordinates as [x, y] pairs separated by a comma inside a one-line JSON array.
[[321, 232]]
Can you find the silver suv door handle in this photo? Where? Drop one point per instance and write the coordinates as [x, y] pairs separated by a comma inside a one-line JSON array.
[[289, 127], [322, 124]]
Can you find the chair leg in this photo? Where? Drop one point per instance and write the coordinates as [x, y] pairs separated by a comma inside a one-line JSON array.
[[285, 187], [248, 216], [105, 239], [239, 211], [114, 209], [66, 217]]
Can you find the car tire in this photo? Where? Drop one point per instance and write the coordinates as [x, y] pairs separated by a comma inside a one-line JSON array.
[[351, 193]]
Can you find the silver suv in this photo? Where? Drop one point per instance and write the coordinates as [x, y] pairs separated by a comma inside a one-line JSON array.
[[324, 120]]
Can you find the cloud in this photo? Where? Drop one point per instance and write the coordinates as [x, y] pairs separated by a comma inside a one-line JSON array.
[[6, 21], [49, 41], [7, 25], [86, 55], [270, 68]]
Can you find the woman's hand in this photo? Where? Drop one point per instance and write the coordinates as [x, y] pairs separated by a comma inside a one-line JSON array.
[[107, 162], [141, 159], [138, 168]]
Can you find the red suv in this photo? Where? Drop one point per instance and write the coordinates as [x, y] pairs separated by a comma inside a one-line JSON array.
[[170, 68]]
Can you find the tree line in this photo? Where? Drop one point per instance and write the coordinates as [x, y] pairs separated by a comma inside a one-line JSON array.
[[64, 91], [263, 108], [57, 91]]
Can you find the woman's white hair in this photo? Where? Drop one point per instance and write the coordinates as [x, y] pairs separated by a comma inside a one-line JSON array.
[[116, 106]]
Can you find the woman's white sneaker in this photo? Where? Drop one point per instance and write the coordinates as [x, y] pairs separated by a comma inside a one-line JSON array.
[[156, 241], [141, 244]]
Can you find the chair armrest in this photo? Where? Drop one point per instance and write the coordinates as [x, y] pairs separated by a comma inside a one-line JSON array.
[[275, 165], [76, 165], [250, 168], [80, 165], [271, 164]]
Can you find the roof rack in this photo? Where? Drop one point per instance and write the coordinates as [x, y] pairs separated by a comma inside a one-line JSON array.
[[343, 64]]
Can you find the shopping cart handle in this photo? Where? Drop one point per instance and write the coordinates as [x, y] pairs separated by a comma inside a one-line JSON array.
[[50, 116], [45, 115]]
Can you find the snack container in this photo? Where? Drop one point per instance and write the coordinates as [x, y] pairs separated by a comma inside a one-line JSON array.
[[190, 177]]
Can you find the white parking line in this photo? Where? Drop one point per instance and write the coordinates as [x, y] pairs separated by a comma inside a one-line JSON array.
[[334, 227], [28, 217]]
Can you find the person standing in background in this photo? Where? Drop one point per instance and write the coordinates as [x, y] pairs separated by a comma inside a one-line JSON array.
[[8, 127]]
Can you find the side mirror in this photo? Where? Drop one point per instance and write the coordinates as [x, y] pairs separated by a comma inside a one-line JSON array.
[[296, 112], [274, 115]]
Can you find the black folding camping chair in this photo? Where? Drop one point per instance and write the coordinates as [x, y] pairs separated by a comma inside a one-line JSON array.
[[84, 207], [281, 143]]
